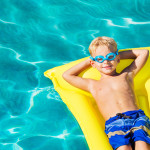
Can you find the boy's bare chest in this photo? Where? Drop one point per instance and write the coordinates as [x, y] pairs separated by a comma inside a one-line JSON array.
[[121, 83]]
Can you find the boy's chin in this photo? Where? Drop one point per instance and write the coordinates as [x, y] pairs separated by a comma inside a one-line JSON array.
[[106, 71]]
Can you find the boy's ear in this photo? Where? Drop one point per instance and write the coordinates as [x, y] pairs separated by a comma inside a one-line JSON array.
[[92, 63], [118, 59]]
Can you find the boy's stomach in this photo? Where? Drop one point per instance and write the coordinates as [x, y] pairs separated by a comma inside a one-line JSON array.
[[110, 108]]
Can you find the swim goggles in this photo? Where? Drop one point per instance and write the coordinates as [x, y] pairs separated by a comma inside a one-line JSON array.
[[100, 58]]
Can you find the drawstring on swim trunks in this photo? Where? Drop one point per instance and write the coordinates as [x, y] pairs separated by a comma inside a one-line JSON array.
[[123, 116]]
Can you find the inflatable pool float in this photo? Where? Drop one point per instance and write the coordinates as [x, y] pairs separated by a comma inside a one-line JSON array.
[[83, 106]]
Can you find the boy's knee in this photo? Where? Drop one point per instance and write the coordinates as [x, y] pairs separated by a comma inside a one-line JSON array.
[[124, 147]]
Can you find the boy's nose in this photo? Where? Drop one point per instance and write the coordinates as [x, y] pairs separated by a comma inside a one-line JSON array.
[[105, 61]]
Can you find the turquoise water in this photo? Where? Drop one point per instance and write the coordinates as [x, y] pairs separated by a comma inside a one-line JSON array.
[[38, 35]]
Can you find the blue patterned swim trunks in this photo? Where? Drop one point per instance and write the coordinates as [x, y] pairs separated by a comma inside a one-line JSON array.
[[127, 127]]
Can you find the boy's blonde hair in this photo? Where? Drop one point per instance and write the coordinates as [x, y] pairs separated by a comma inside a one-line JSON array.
[[101, 41]]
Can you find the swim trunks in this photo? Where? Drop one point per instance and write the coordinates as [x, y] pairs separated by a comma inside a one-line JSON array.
[[127, 127]]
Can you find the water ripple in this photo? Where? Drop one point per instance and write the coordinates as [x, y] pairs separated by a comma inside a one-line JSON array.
[[7, 22], [39, 35]]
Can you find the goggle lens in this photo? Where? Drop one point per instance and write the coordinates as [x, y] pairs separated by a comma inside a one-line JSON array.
[[99, 59], [111, 57]]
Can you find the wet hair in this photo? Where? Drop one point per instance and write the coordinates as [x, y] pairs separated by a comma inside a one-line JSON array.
[[101, 41]]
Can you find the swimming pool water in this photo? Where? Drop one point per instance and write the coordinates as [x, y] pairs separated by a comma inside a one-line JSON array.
[[38, 35]]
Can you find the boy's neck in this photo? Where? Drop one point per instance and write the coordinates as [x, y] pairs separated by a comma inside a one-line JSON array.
[[113, 74]]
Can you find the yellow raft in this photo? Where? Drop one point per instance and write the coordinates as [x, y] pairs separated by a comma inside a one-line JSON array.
[[83, 106]]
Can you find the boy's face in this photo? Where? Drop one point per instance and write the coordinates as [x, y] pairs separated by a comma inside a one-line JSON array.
[[107, 67]]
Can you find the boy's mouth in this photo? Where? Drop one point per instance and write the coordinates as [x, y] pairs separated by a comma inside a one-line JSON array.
[[107, 67]]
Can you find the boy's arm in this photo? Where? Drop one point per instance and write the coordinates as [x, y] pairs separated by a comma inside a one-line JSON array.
[[140, 57], [71, 75]]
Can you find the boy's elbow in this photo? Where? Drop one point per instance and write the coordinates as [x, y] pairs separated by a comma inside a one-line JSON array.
[[146, 52], [64, 75]]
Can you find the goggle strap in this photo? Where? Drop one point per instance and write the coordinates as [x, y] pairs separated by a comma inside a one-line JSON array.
[[117, 52], [92, 58]]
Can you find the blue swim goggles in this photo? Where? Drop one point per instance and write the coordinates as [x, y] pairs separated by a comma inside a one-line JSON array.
[[100, 58]]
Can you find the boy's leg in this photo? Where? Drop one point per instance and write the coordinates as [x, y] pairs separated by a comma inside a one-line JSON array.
[[125, 147], [141, 145]]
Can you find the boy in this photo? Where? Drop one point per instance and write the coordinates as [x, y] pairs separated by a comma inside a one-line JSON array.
[[126, 125]]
